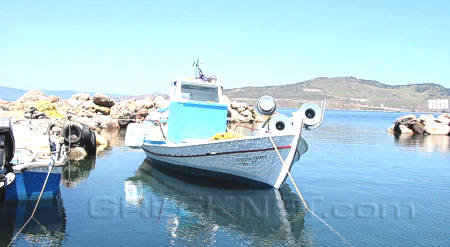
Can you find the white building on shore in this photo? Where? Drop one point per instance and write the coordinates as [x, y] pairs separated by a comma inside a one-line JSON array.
[[438, 105]]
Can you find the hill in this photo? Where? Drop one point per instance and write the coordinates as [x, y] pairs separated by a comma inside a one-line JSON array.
[[12, 94], [347, 93]]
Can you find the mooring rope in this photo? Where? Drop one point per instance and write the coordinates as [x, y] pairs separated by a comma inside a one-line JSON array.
[[37, 203], [300, 194]]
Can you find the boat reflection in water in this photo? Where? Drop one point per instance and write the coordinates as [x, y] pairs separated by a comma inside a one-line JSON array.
[[202, 210], [427, 143], [47, 227], [76, 171]]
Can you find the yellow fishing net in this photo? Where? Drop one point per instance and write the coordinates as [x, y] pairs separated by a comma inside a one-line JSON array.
[[48, 108], [226, 135]]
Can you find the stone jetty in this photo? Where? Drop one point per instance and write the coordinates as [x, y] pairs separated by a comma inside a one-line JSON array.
[[422, 125]]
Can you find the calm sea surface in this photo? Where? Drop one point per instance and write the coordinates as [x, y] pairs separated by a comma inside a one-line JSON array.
[[374, 188]]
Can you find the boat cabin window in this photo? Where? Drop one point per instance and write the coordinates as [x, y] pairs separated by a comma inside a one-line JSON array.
[[199, 93]]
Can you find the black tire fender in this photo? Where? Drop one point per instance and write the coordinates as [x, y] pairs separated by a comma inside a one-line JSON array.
[[89, 142], [72, 130]]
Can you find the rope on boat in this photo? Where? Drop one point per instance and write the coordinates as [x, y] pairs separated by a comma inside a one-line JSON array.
[[50, 167], [300, 194]]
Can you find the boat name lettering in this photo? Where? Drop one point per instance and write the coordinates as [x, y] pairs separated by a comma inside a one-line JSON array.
[[251, 159]]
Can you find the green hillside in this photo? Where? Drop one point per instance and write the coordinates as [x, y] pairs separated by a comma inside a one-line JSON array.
[[347, 93]]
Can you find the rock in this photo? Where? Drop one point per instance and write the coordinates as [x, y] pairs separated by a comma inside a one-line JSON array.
[[142, 113], [444, 118], [81, 96], [102, 110], [103, 100], [426, 118], [100, 140], [235, 116], [88, 106], [125, 119], [435, 128], [418, 128], [33, 95], [237, 105], [74, 102], [247, 114], [405, 130], [391, 129], [77, 153], [405, 119], [53, 99], [111, 124], [146, 103], [161, 102]]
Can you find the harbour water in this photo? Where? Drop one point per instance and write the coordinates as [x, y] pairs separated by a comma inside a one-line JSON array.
[[374, 188]]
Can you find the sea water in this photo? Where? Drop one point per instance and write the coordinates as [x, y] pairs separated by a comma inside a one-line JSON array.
[[373, 188]]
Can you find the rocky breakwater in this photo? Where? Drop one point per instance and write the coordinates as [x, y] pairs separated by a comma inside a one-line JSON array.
[[99, 112], [423, 125], [243, 113]]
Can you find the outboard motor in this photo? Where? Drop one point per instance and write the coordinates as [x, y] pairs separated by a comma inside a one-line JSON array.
[[7, 148]]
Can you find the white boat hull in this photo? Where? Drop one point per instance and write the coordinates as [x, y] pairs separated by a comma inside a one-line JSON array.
[[251, 159]]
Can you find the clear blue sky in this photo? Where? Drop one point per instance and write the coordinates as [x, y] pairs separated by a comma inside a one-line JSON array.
[[136, 47]]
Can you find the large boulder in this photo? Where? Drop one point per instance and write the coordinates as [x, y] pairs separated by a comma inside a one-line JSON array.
[[418, 128], [238, 106], [444, 118], [125, 118], [405, 119], [391, 129], [31, 96], [102, 110], [74, 102], [426, 118], [77, 153], [161, 102], [137, 105], [103, 100], [405, 130], [235, 117], [53, 99], [435, 128], [81, 96], [111, 124]]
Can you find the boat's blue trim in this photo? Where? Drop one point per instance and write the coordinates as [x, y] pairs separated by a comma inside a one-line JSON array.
[[155, 142], [162, 109], [28, 186], [208, 105]]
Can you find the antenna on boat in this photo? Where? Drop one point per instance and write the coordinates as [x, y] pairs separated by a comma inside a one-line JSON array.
[[199, 73]]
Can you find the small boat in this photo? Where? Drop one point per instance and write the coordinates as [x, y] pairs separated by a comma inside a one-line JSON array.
[[196, 138], [26, 160]]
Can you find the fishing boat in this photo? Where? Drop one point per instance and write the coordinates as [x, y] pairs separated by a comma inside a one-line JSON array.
[[198, 115], [28, 161]]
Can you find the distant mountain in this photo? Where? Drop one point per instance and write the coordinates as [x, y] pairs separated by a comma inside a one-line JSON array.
[[347, 93], [11, 94]]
